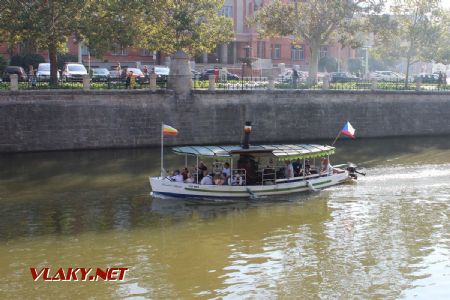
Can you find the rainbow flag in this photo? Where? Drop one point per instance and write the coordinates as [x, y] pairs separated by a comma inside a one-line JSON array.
[[348, 130], [169, 130]]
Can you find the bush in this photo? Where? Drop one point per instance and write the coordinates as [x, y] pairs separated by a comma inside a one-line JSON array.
[[26, 60]]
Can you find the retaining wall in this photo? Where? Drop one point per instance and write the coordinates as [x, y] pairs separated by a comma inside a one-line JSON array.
[[56, 120]]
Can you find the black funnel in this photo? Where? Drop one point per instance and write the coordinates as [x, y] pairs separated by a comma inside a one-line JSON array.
[[247, 131]]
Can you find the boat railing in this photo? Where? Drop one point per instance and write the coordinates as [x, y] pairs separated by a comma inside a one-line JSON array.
[[238, 177], [269, 176]]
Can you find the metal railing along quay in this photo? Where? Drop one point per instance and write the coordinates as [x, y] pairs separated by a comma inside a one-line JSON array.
[[255, 83]]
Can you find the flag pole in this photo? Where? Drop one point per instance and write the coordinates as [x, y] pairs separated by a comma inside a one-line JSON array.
[[339, 134], [162, 148]]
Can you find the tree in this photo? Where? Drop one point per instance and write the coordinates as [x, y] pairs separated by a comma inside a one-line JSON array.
[[328, 64], [417, 31], [194, 26], [47, 24], [27, 60], [315, 22], [355, 66]]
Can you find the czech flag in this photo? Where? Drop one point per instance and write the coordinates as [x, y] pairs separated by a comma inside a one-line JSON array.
[[169, 130], [348, 130]]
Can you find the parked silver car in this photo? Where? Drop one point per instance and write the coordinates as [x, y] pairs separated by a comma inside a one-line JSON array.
[[43, 72], [73, 72]]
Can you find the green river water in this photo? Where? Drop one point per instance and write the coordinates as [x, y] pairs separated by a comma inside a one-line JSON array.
[[385, 237]]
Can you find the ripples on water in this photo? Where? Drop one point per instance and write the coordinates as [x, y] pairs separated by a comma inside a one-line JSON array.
[[386, 237]]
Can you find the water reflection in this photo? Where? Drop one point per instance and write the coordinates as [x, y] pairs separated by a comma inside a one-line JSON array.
[[386, 237]]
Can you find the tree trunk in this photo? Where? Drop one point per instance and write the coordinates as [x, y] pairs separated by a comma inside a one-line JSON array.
[[53, 65], [314, 62], [408, 62]]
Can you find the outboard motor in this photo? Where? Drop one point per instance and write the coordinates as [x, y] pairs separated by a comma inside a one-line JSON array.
[[352, 171]]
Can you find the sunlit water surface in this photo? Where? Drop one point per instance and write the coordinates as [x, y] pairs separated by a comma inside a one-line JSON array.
[[386, 237]]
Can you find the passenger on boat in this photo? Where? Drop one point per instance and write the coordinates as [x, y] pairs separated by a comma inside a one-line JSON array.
[[201, 170], [226, 169], [288, 170], [219, 179], [207, 179], [297, 165], [325, 167], [190, 178], [307, 167], [224, 179], [177, 176], [185, 173]]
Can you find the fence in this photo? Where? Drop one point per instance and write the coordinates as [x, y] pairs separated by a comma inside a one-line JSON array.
[[247, 83]]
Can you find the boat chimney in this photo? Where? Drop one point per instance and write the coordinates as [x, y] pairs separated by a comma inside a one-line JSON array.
[[247, 130]]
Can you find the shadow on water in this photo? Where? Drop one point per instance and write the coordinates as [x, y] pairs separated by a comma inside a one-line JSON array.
[[68, 193]]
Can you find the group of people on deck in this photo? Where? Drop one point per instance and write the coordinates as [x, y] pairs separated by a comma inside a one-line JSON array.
[[295, 169], [203, 176], [223, 175]]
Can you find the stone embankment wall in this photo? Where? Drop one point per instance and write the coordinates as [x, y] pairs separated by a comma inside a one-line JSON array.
[[56, 120]]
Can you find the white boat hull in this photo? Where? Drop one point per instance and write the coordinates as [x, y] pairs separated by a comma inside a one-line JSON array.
[[165, 187]]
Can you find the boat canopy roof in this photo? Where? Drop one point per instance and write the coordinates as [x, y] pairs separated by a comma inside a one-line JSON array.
[[291, 151]]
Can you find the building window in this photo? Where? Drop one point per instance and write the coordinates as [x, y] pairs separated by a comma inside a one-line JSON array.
[[323, 51], [146, 52], [119, 51], [297, 52], [227, 11], [261, 49], [276, 51]]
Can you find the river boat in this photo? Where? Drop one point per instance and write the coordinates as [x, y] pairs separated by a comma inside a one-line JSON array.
[[255, 171]]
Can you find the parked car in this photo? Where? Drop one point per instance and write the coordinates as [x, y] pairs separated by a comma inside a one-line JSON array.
[[337, 77], [387, 76], [99, 74], [427, 78], [140, 77], [205, 75], [162, 73], [43, 72], [14, 70], [73, 72]]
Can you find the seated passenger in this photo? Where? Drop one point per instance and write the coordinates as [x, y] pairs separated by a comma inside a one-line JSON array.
[[288, 170], [297, 165], [207, 179], [185, 173], [177, 176], [201, 169], [190, 178], [224, 179], [226, 169]]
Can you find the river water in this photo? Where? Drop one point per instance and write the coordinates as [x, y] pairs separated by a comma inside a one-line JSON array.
[[385, 237]]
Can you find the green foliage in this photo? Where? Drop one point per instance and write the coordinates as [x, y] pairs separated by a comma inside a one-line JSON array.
[[315, 22], [418, 31], [3, 64], [328, 64], [355, 66], [27, 60], [65, 58], [191, 26]]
